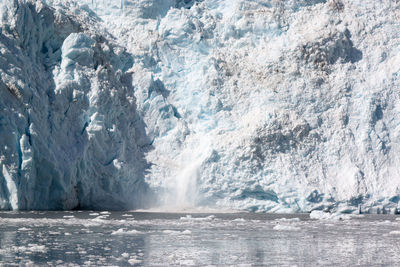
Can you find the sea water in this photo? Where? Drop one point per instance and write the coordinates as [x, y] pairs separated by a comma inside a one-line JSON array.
[[76, 238]]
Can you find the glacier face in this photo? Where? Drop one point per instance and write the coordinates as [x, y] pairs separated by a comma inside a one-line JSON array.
[[68, 113], [274, 106]]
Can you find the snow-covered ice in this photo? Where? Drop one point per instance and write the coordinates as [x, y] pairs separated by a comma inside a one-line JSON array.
[[267, 106]]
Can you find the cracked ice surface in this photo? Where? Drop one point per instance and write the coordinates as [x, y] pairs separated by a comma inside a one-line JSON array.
[[280, 106]]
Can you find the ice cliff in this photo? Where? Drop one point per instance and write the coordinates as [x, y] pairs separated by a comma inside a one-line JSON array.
[[70, 133], [262, 105]]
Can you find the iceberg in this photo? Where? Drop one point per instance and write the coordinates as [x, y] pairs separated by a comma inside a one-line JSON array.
[[266, 106]]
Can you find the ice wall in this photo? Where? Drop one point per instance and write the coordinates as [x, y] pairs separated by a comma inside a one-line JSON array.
[[262, 105], [278, 106], [70, 133]]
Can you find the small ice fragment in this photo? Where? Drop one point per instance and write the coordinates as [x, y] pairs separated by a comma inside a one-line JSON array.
[[105, 212], [288, 220], [174, 232], [239, 220], [190, 218], [68, 216], [171, 232], [37, 248], [54, 233], [94, 214], [23, 229], [125, 255], [187, 217], [134, 261], [394, 233], [101, 217], [187, 262], [280, 227], [123, 232], [320, 215]]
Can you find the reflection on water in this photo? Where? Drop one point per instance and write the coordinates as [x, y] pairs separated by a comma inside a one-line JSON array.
[[157, 239]]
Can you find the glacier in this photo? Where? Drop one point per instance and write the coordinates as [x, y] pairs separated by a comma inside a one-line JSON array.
[[259, 105]]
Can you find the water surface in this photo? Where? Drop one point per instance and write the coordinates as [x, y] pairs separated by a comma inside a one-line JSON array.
[[161, 239]]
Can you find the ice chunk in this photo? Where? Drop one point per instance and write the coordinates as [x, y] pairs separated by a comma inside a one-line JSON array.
[[282, 227], [77, 48], [125, 232], [321, 215]]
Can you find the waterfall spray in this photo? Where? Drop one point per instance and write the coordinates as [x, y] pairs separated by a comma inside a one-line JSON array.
[[182, 187]]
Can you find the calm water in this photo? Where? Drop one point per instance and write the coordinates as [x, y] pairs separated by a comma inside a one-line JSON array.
[[159, 239]]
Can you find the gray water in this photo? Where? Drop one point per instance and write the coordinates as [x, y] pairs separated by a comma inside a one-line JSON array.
[[165, 239]]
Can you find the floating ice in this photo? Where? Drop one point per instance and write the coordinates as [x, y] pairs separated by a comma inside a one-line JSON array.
[[134, 260], [23, 229], [321, 215], [191, 218], [281, 227], [289, 220], [125, 232]]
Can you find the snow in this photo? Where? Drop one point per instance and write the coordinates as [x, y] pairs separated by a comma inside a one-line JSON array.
[[266, 106]]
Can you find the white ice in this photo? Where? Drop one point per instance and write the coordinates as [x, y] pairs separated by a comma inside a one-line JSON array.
[[267, 106]]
